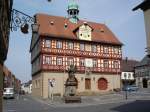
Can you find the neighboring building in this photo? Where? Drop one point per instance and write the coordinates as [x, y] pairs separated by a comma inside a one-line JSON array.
[[10, 80], [17, 85], [145, 6], [142, 73], [128, 72], [60, 42], [27, 87], [5, 17], [7, 77]]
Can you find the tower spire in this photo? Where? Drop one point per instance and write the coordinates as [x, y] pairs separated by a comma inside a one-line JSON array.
[[73, 11]]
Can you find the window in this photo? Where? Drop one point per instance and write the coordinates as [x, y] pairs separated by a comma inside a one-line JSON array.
[[59, 61], [115, 64], [94, 49], [129, 75], [70, 45], [125, 75], [82, 47], [47, 60], [106, 50], [94, 63], [70, 61], [116, 50], [106, 64], [82, 62], [59, 44], [47, 43]]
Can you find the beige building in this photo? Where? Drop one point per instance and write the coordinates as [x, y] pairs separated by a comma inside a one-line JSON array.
[[60, 42]]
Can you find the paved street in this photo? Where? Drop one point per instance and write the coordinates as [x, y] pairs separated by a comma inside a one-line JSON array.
[[137, 102]]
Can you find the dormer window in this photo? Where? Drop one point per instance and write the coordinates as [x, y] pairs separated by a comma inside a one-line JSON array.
[[52, 23], [85, 32], [102, 30], [65, 25]]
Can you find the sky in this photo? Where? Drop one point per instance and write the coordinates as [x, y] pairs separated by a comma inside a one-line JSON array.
[[127, 25]]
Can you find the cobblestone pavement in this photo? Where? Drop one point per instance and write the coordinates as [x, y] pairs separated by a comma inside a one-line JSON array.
[[100, 99]]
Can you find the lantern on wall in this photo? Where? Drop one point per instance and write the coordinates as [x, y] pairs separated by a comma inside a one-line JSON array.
[[24, 28]]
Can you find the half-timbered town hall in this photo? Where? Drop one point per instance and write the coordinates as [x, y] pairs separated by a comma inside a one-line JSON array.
[[60, 42]]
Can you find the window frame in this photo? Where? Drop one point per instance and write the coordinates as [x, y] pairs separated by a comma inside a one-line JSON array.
[[48, 60], [95, 62], [47, 43], [106, 50], [94, 48], [70, 45], [59, 62], [70, 61], [82, 62], [82, 46], [106, 65], [59, 44]]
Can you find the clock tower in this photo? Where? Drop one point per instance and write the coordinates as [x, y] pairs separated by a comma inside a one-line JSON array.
[[73, 11]]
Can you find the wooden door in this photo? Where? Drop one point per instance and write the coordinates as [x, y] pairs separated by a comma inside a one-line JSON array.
[[88, 84], [102, 84]]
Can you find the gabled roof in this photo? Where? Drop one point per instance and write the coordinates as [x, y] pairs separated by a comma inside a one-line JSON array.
[[145, 5], [81, 25], [128, 65], [54, 26], [144, 62]]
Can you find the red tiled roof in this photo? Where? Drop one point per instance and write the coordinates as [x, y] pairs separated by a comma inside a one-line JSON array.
[[128, 65], [58, 29]]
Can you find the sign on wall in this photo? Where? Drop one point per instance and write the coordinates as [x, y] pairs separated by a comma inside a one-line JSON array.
[[88, 62], [51, 82]]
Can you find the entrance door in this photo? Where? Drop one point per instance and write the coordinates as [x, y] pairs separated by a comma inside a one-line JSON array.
[[144, 83], [102, 84], [88, 84]]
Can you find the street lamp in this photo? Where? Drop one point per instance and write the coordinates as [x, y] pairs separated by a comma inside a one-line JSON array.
[[35, 27], [126, 94]]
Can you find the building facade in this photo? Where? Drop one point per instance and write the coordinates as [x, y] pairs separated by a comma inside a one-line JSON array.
[[145, 6], [27, 87], [10, 80], [60, 42], [128, 71], [5, 17], [142, 73]]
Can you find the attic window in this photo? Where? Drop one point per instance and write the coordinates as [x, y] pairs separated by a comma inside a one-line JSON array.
[[52, 23], [85, 22], [102, 30], [65, 25]]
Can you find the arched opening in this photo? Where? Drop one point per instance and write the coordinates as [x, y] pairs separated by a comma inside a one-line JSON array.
[[144, 83], [102, 84]]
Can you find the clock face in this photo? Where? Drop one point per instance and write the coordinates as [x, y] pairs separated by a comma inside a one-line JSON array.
[[85, 32]]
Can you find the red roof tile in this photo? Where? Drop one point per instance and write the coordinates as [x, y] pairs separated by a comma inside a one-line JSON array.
[[57, 29]]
